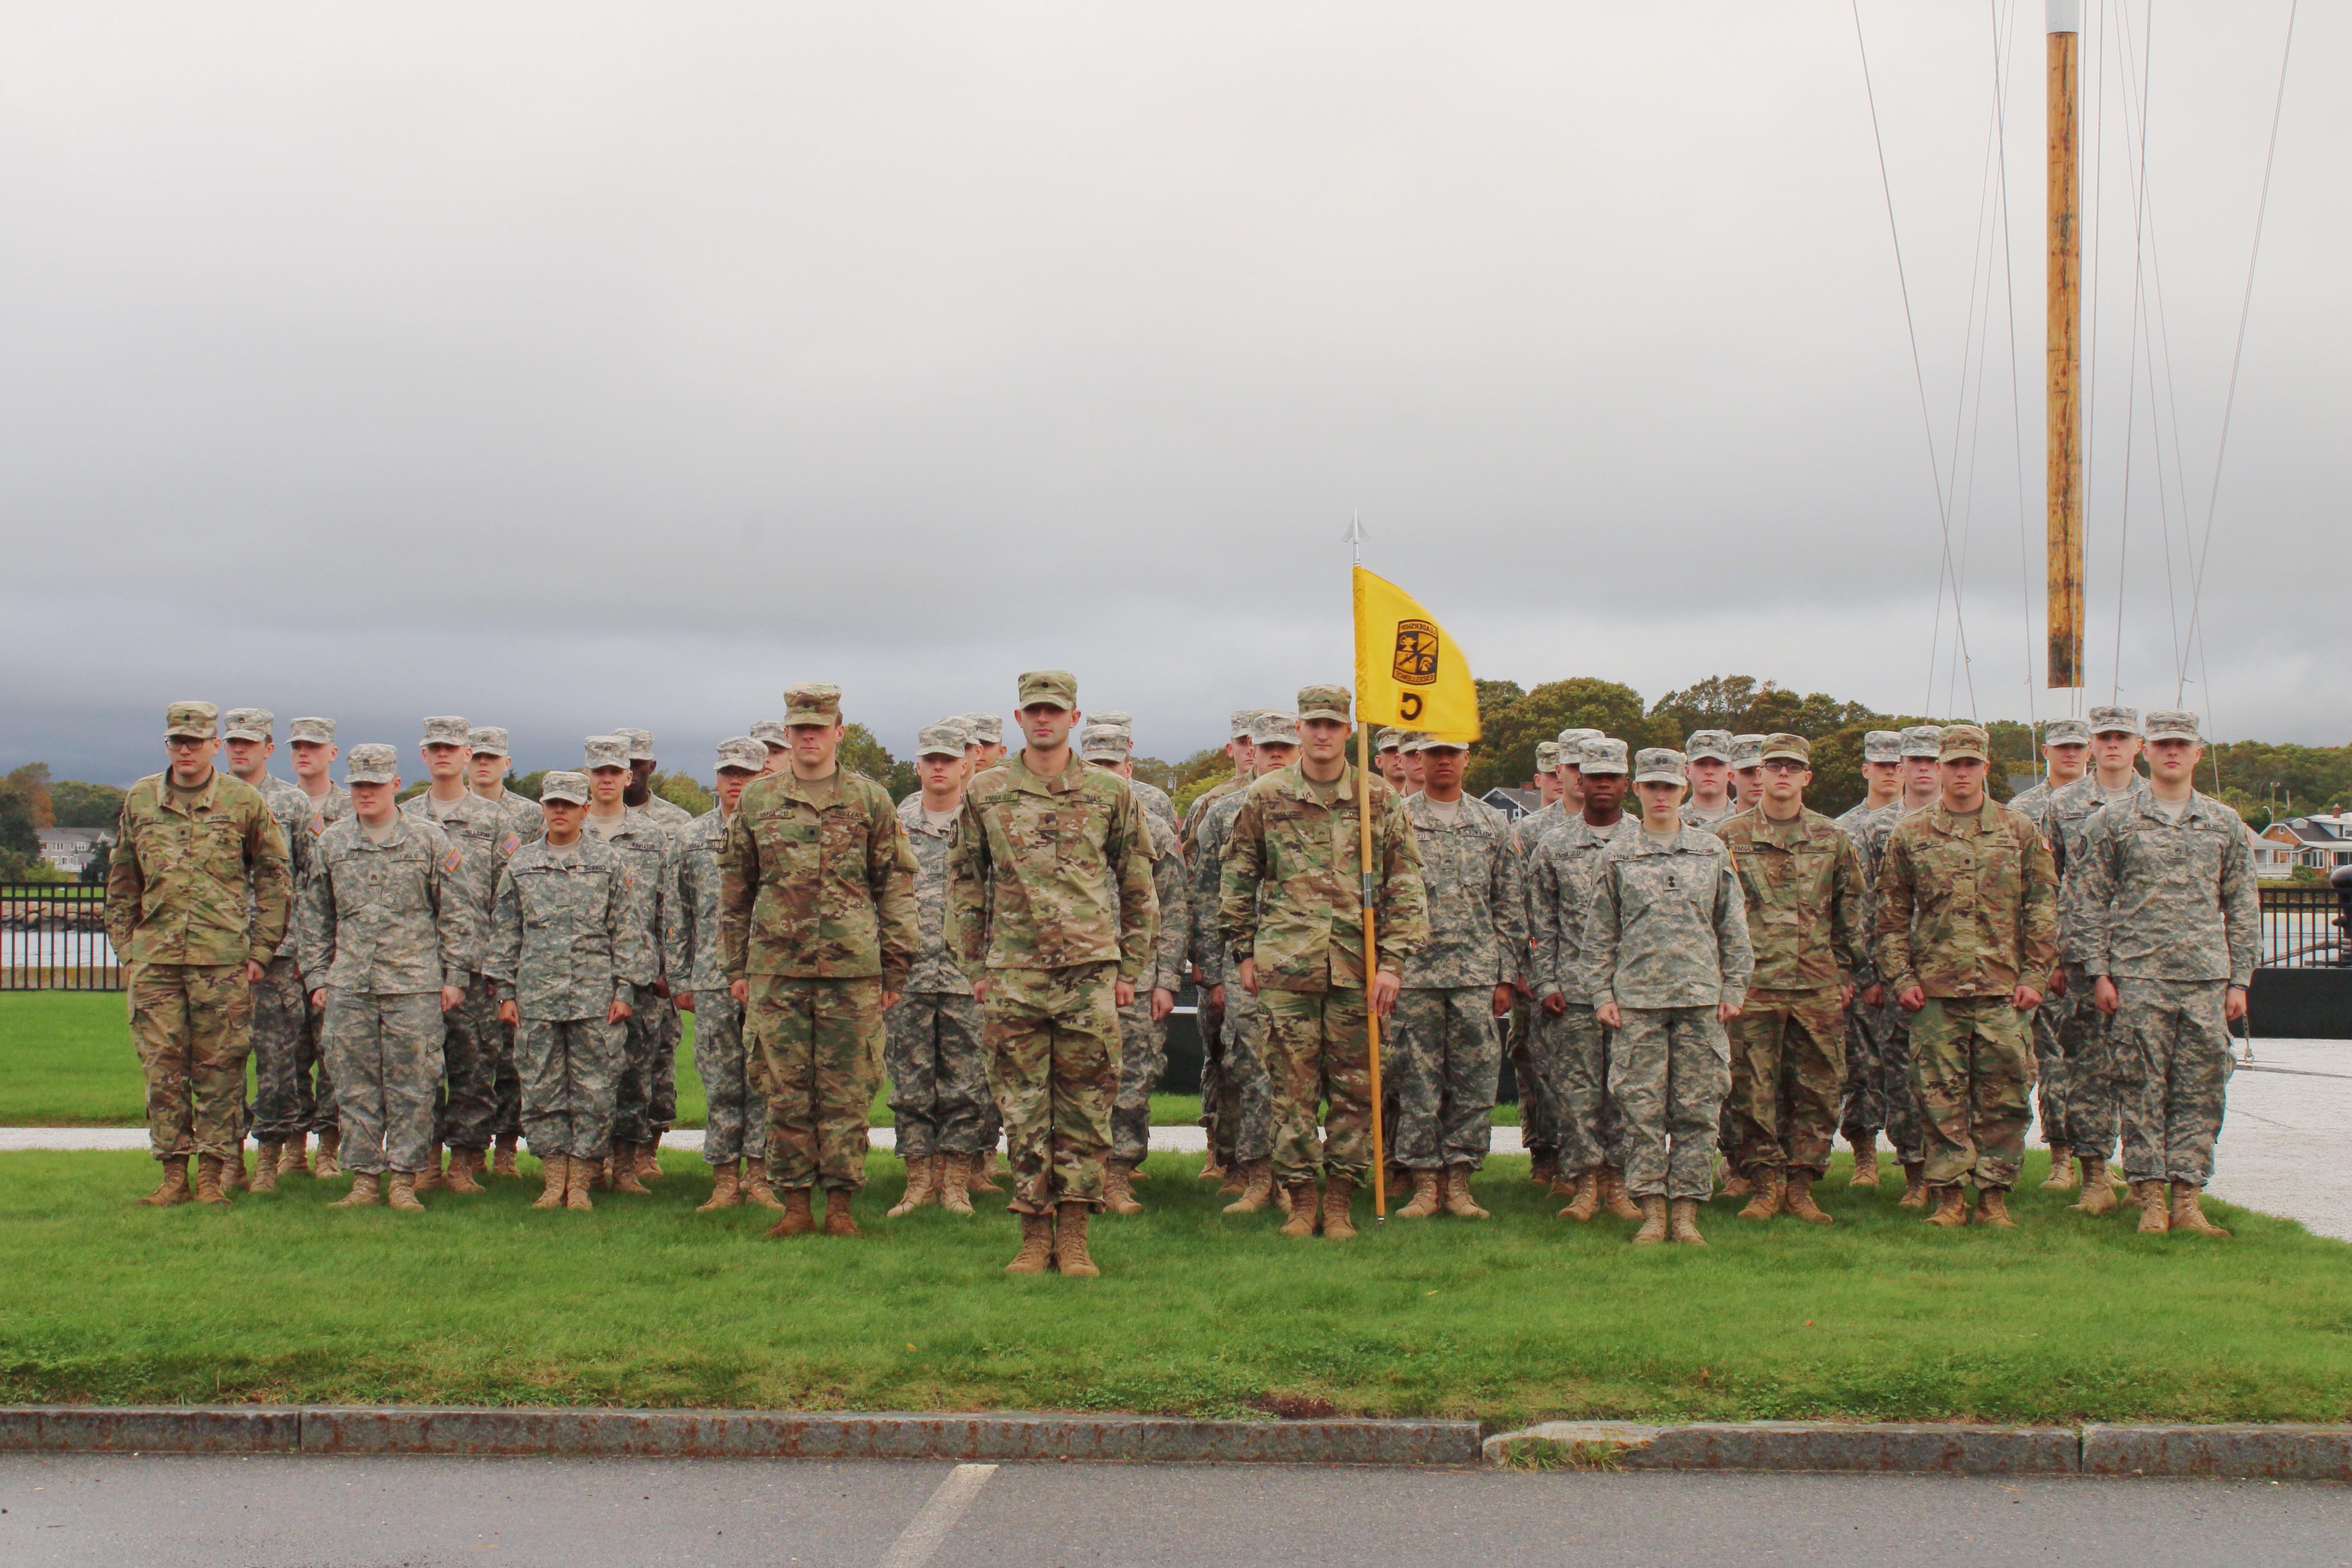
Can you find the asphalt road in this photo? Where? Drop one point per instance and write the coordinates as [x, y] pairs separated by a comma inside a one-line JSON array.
[[365, 1513]]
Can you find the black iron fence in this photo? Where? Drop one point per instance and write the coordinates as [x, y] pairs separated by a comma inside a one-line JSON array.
[[53, 938], [2302, 929]]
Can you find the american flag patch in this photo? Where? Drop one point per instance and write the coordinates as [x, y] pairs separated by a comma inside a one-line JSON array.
[[513, 842], [451, 861]]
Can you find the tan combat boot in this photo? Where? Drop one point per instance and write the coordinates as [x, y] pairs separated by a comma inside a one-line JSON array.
[[1797, 1198], [1951, 1207], [1070, 1254], [797, 1220], [557, 1169], [2186, 1213], [1036, 1245], [1257, 1187], [363, 1193], [649, 1160], [1458, 1200], [1768, 1192], [922, 1177], [1865, 1162], [756, 1187], [463, 1164], [1234, 1180], [1117, 1197], [265, 1170], [621, 1170], [579, 1175], [330, 1148], [1653, 1221], [980, 1178], [947, 1184], [726, 1189], [294, 1157], [1741, 1185], [232, 1170], [1426, 1196], [502, 1162], [839, 1221], [1137, 1174], [1915, 1185], [1992, 1208], [1587, 1202], [2155, 1209], [425, 1180], [1543, 1169], [403, 1193], [2097, 1198], [2062, 1178], [173, 1189], [1210, 1171], [1338, 1192], [212, 1174], [1304, 1210], [1615, 1198], [1682, 1223]]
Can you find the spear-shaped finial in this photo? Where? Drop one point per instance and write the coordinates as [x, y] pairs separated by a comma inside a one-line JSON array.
[[1355, 537]]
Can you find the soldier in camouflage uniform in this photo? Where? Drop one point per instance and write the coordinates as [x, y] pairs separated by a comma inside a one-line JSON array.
[[1247, 1119], [1968, 923], [1865, 1101], [1388, 756], [391, 943], [2162, 894], [1591, 1169], [1051, 893], [312, 1090], [1448, 1056], [988, 729], [1898, 1102], [1806, 906], [1519, 1026], [197, 891], [279, 1010], [1292, 920], [1537, 1039], [818, 934], [1666, 962], [939, 1100], [1747, 772], [735, 1126], [1148, 795], [776, 741], [988, 734], [524, 822], [1706, 758], [660, 1016], [2065, 752], [1218, 1093], [640, 795], [646, 1101], [564, 940]]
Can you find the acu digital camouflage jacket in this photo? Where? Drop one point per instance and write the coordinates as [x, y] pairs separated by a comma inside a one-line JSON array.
[[563, 937], [1474, 880], [1668, 927], [390, 918], [2154, 898]]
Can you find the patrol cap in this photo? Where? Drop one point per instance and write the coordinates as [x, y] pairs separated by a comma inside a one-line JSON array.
[[1388, 739], [812, 702], [945, 739], [606, 752], [1323, 702], [443, 730], [2114, 720], [200, 719], [1103, 743], [1547, 756], [1272, 727], [771, 732], [986, 728], [247, 724], [1659, 766], [1747, 750], [1882, 746], [1049, 689], [1602, 756], [2172, 724], [372, 763], [1114, 718], [564, 784], [1923, 741], [317, 732], [1965, 740], [1569, 741], [1412, 740], [2066, 732], [743, 754], [1426, 741], [641, 744], [1794, 747], [487, 741], [1715, 743], [1237, 723]]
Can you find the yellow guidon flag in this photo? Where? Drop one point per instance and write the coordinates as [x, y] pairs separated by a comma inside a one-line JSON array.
[[1409, 669]]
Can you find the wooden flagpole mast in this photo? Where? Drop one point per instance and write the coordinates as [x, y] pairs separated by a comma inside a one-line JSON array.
[[2063, 351], [1364, 902]]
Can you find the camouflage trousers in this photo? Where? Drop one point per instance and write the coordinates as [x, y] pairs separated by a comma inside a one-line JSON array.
[[192, 1023], [1879, 1094], [940, 1097], [735, 1121], [2094, 1108], [570, 1071], [1053, 1061], [2172, 1048], [1969, 1067], [1788, 1070], [2050, 1067], [1142, 1057], [508, 1089], [1216, 1114], [1669, 1068], [820, 1044], [314, 1080], [1250, 1088], [386, 1048], [1535, 1070], [466, 1114], [1318, 1050], [281, 1016], [1591, 1132], [1447, 1061], [647, 1103]]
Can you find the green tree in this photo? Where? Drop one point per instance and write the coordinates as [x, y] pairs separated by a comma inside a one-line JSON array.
[[1506, 752], [23, 810], [80, 805], [681, 791], [526, 784], [862, 753]]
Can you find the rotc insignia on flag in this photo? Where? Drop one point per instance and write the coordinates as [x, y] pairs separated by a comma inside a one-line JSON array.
[[510, 843], [1418, 647], [451, 861]]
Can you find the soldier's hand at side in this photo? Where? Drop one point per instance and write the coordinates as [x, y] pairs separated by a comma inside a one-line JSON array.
[[1123, 992], [1608, 1015], [2103, 994], [2057, 986], [2233, 1007], [890, 1000], [2025, 998], [661, 985], [1217, 996], [1505, 995], [452, 998], [1555, 1005], [509, 1013], [1845, 995], [253, 972], [685, 1000], [1876, 995], [1249, 975], [740, 990], [1385, 986], [318, 997], [1725, 1011], [1911, 998], [1163, 1002], [980, 990], [618, 1013]]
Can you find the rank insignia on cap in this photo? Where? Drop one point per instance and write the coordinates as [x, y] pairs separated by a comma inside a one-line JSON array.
[[451, 861]]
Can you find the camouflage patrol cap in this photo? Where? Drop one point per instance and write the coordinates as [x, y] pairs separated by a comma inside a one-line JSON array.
[[947, 739], [487, 740], [2066, 732], [1793, 748], [1323, 702], [443, 730], [564, 784], [812, 702], [1547, 756], [2114, 720], [1103, 743], [1715, 743], [1237, 723], [1568, 740], [247, 724], [1747, 750], [1923, 741], [2172, 724], [771, 732], [1272, 727], [604, 752], [1114, 718], [1049, 689], [987, 729], [1388, 739], [200, 719], [372, 763], [1965, 740], [641, 744], [742, 753], [1882, 746], [1411, 741], [1602, 755], [317, 731], [1657, 765]]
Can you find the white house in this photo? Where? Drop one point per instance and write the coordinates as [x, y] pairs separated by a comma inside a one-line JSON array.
[[71, 849], [2322, 842]]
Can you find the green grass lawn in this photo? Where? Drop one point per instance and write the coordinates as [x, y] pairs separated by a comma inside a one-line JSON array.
[[643, 1303]]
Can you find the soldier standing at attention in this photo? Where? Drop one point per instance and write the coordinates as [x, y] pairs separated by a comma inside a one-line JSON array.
[[1239, 751], [1747, 772], [1051, 902], [1388, 756], [2067, 756], [1209, 1012], [646, 1100], [1449, 1058], [1968, 921], [324, 802], [939, 1100], [776, 741], [1535, 1034], [989, 730], [640, 795], [661, 1016], [1148, 795], [279, 1012], [1547, 774], [2170, 929], [817, 933], [197, 891], [1922, 745], [988, 734], [1667, 962], [1292, 919], [1408, 763], [391, 939], [1707, 763], [1866, 1099], [524, 823], [563, 943], [1806, 903]]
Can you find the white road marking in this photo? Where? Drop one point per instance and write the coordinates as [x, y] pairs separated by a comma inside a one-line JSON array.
[[921, 1537]]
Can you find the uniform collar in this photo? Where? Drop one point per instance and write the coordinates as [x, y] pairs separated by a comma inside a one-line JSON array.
[[1298, 784], [204, 798], [1948, 824], [1072, 778]]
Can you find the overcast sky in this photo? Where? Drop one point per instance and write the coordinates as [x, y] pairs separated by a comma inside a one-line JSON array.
[[569, 366]]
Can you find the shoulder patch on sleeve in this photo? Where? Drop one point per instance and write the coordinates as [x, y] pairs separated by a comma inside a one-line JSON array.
[[453, 860], [317, 822], [510, 843]]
